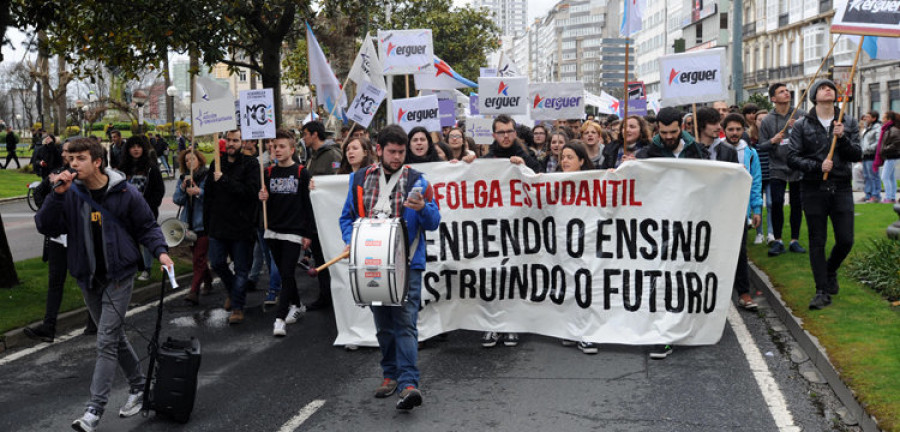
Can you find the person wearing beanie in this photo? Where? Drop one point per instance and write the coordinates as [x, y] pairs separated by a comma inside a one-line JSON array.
[[825, 198]]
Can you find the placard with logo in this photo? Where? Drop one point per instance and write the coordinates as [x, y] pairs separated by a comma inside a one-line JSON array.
[[406, 51], [257, 114], [869, 18], [418, 111], [480, 129], [365, 104], [693, 77], [508, 95], [556, 100], [447, 112], [213, 116]]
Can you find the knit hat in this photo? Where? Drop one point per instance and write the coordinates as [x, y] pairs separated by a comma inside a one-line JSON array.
[[815, 88]]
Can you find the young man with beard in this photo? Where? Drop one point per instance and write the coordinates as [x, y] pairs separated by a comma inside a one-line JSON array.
[[105, 218], [230, 208], [386, 189], [781, 177], [734, 131], [823, 199]]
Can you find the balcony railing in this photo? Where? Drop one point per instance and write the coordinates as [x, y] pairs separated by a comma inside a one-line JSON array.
[[749, 78], [749, 29], [796, 70], [761, 75]]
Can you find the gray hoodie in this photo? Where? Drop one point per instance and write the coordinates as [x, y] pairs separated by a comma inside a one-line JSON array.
[[771, 125]]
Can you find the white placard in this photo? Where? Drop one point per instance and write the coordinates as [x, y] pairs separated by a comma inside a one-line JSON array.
[[365, 104], [418, 111], [552, 101], [693, 77], [214, 116], [257, 114], [620, 258], [479, 128], [869, 18], [406, 51], [488, 72], [507, 95]]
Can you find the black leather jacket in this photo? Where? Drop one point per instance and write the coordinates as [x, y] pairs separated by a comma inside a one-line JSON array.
[[810, 143]]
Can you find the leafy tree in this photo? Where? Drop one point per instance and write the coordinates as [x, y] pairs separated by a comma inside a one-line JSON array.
[[761, 100]]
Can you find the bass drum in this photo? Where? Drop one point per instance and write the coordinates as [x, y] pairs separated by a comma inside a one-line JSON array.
[[378, 262]]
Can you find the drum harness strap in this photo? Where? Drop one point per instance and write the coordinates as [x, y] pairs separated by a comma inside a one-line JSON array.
[[382, 208]]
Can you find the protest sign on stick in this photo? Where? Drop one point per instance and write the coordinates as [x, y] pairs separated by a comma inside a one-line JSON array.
[[212, 117], [365, 104], [418, 111], [406, 51]]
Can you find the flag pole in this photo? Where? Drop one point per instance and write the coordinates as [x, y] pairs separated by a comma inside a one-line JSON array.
[[811, 80], [262, 182], [624, 126], [840, 117]]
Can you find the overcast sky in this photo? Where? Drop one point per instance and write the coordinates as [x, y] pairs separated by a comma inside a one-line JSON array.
[[536, 8]]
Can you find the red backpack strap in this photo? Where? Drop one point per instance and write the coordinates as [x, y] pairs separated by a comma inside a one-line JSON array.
[[269, 170], [299, 170]]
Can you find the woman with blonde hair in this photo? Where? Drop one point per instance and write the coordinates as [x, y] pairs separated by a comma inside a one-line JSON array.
[[592, 137], [635, 135]]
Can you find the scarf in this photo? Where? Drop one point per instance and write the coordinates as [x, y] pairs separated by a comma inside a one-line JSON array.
[[878, 160], [372, 190]]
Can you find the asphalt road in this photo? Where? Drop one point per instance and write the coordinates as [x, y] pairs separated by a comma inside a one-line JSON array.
[[24, 240], [250, 380]]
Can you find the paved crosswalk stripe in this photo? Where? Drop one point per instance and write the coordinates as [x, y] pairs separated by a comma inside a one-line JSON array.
[[302, 416]]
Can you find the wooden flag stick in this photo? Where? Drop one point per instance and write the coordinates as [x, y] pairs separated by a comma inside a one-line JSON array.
[[694, 119], [624, 126], [407, 85], [216, 151], [262, 182], [810, 83], [844, 104]]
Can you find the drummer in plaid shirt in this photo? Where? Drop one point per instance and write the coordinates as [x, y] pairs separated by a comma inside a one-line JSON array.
[[392, 190]]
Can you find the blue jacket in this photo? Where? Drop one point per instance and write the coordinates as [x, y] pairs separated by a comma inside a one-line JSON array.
[[751, 163], [196, 210], [417, 222], [68, 214]]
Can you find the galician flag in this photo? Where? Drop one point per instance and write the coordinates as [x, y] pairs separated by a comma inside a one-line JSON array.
[[632, 14], [443, 78], [367, 66], [328, 89], [879, 47]]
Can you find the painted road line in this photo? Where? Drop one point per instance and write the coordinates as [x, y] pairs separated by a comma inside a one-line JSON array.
[[41, 346], [302, 416], [767, 385]]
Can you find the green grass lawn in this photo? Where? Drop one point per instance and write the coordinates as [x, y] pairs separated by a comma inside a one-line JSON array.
[[860, 330], [14, 183], [24, 303]]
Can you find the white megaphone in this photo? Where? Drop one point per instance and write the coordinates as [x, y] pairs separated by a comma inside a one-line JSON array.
[[175, 232]]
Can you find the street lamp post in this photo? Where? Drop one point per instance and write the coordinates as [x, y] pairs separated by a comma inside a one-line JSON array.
[[140, 98], [172, 91]]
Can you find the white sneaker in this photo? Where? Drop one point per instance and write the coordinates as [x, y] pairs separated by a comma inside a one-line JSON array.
[[759, 239], [88, 422], [279, 329], [144, 276], [294, 314], [132, 405], [770, 238]]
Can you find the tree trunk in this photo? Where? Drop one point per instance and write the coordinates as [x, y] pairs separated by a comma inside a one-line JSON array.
[[271, 73], [8, 276], [43, 68], [60, 96], [170, 100]]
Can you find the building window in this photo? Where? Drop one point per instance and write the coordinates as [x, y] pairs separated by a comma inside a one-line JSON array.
[[875, 97], [242, 76], [894, 95], [813, 47]]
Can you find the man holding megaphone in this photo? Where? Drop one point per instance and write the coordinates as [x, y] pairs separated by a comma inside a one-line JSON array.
[[104, 217]]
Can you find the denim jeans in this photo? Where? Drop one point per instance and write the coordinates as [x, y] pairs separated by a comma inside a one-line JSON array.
[[148, 258], [241, 254], [889, 179], [261, 253], [767, 196], [398, 336], [165, 161], [107, 306], [872, 185]]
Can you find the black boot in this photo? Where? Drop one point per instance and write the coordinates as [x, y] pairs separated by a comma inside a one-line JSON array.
[[43, 332]]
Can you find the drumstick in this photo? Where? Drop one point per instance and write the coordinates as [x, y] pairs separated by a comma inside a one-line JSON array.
[[313, 272]]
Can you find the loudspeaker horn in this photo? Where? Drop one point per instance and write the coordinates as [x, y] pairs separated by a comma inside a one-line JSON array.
[[175, 232]]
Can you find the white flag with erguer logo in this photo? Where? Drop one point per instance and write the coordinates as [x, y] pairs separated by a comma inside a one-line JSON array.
[[693, 77]]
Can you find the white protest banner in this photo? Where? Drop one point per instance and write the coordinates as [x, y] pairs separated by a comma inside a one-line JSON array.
[[406, 51], [488, 72], [214, 116], [365, 104], [868, 18], [605, 103], [366, 66], [619, 257], [693, 77], [418, 111], [480, 129], [258, 114], [503, 95], [552, 101]]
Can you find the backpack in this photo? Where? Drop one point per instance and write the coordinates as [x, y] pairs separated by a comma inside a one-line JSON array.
[[271, 167], [890, 147]]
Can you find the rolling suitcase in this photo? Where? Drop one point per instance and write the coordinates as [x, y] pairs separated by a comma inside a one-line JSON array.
[[172, 373]]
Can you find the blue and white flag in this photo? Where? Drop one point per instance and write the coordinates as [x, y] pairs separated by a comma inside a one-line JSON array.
[[879, 47], [328, 90], [632, 14]]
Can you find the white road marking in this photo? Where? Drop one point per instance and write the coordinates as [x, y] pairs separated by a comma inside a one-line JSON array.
[[302, 416], [41, 346], [767, 385]]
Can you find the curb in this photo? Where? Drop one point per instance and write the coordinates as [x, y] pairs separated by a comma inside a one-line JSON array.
[[809, 344], [77, 318], [12, 199]]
